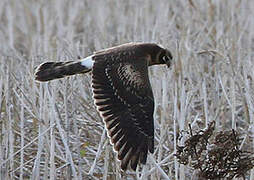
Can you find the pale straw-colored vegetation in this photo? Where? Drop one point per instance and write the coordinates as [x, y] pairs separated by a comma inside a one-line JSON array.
[[53, 131]]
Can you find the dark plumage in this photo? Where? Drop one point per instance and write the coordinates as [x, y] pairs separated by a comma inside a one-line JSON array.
[[122, 94], [54, 70]]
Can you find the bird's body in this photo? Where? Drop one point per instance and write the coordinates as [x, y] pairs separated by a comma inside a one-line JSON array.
[[122, 94]]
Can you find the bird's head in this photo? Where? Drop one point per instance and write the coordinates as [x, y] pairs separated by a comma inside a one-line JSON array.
[[165, 57], [159, 55]]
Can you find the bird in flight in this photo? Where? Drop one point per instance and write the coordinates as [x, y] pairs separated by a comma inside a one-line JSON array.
[[122, 94]]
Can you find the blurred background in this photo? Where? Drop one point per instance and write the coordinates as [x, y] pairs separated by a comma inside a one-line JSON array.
[[53, 131]]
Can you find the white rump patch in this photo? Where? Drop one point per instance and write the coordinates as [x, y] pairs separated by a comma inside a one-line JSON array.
[[88, 62]]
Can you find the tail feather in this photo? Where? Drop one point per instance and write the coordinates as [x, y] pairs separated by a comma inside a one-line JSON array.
[[54, 70]]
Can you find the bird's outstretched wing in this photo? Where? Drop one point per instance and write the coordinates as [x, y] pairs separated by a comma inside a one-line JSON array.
[[124, 98]]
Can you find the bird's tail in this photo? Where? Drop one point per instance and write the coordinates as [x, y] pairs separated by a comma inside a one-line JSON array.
[[54, 70]]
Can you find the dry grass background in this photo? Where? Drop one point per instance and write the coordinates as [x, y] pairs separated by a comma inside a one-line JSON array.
[[52, 130]]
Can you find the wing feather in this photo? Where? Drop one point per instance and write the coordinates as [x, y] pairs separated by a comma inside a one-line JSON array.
[[124, 98]]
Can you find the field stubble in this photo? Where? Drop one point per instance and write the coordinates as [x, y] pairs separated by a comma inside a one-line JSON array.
[[52, 130]]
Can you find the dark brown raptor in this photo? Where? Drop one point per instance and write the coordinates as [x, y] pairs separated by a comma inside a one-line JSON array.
[[122, 94]]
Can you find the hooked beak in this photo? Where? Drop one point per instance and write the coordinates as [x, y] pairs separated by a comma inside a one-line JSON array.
[[168, 64]]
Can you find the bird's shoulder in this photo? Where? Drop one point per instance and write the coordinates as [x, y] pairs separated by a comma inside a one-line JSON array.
[[125, 52]]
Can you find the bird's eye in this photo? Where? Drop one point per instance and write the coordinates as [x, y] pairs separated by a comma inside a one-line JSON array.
[[165, 59]]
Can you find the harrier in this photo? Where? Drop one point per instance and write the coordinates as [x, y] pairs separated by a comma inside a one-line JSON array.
[[122, 94]]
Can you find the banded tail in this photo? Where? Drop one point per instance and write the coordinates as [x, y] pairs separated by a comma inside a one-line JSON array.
[[55, 70]]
